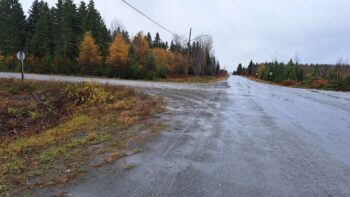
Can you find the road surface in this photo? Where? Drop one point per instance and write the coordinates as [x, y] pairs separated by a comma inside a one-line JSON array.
[[233, 138]]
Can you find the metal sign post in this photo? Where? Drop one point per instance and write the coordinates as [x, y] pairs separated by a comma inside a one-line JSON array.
[[21, 56]]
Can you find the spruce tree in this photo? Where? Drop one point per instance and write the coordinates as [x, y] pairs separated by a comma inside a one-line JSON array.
[[126, 36], [134, 68], [172, 46], [33, 18], [239, 69], [149, 39], [82, 19], [64, 34], [250, 67], [12, 27], [40, 42], [157, 41]]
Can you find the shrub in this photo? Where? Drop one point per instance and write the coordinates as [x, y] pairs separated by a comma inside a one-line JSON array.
[[318, 83], [161, 72], [88, 93], [15, 112], [289, 83]]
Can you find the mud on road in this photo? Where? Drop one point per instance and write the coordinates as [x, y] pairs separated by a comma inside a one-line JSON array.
[[233, 138]]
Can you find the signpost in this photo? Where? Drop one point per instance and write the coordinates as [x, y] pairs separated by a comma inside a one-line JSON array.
[[21, 56]]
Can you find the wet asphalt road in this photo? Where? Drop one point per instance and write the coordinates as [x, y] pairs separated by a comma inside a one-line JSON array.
[[233, 138]]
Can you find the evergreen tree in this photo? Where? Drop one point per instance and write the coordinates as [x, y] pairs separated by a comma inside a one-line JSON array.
[[290, 63], [33, 18], [116, 32], [126, 36], [40, 42], [165, 46], [239, 69], [65, 29], [149, 39], [250, 67], [134, 68], [12, 27], [82, 19], [149, 65], [157, 43], [172, 46]]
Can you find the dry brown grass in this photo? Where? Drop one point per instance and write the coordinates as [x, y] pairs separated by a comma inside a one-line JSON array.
[[87, 120]]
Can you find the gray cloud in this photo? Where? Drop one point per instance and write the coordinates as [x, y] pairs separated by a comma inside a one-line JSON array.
[[262, 30]]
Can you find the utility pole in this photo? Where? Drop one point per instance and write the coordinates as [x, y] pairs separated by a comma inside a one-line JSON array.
[[188, 52]]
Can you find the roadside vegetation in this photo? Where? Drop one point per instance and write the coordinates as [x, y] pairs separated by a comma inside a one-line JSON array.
[[52, 132], [317, 76], [73, 39]]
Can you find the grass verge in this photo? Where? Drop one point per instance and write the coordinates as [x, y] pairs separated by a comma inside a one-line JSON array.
[[319, 84], [52, 132]]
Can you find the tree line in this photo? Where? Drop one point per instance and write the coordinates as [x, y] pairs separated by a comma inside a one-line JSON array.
[[323, 76], [73, 39]]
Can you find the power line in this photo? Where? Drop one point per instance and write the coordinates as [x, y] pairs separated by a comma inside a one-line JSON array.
[[155, 22]]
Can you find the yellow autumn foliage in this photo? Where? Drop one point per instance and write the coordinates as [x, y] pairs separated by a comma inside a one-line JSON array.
[[261, 70], [89, 53], [173, 62], [118, 52], [141, 45], [162, 57]]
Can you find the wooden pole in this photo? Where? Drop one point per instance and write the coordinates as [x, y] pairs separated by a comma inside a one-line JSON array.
[[188, 52]]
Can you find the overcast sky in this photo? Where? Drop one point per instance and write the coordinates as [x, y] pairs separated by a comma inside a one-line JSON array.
[[262, 30]]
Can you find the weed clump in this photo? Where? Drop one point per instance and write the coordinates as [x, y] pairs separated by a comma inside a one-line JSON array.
[[88, 93], [32, 106]]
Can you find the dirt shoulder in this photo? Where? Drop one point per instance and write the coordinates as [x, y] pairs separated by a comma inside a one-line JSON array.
[[53, 132]]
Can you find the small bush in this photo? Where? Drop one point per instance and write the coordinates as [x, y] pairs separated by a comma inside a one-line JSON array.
[[161, 72], [318, 83], [289, 83], [15, 112], [34, 115], [88, 93]]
